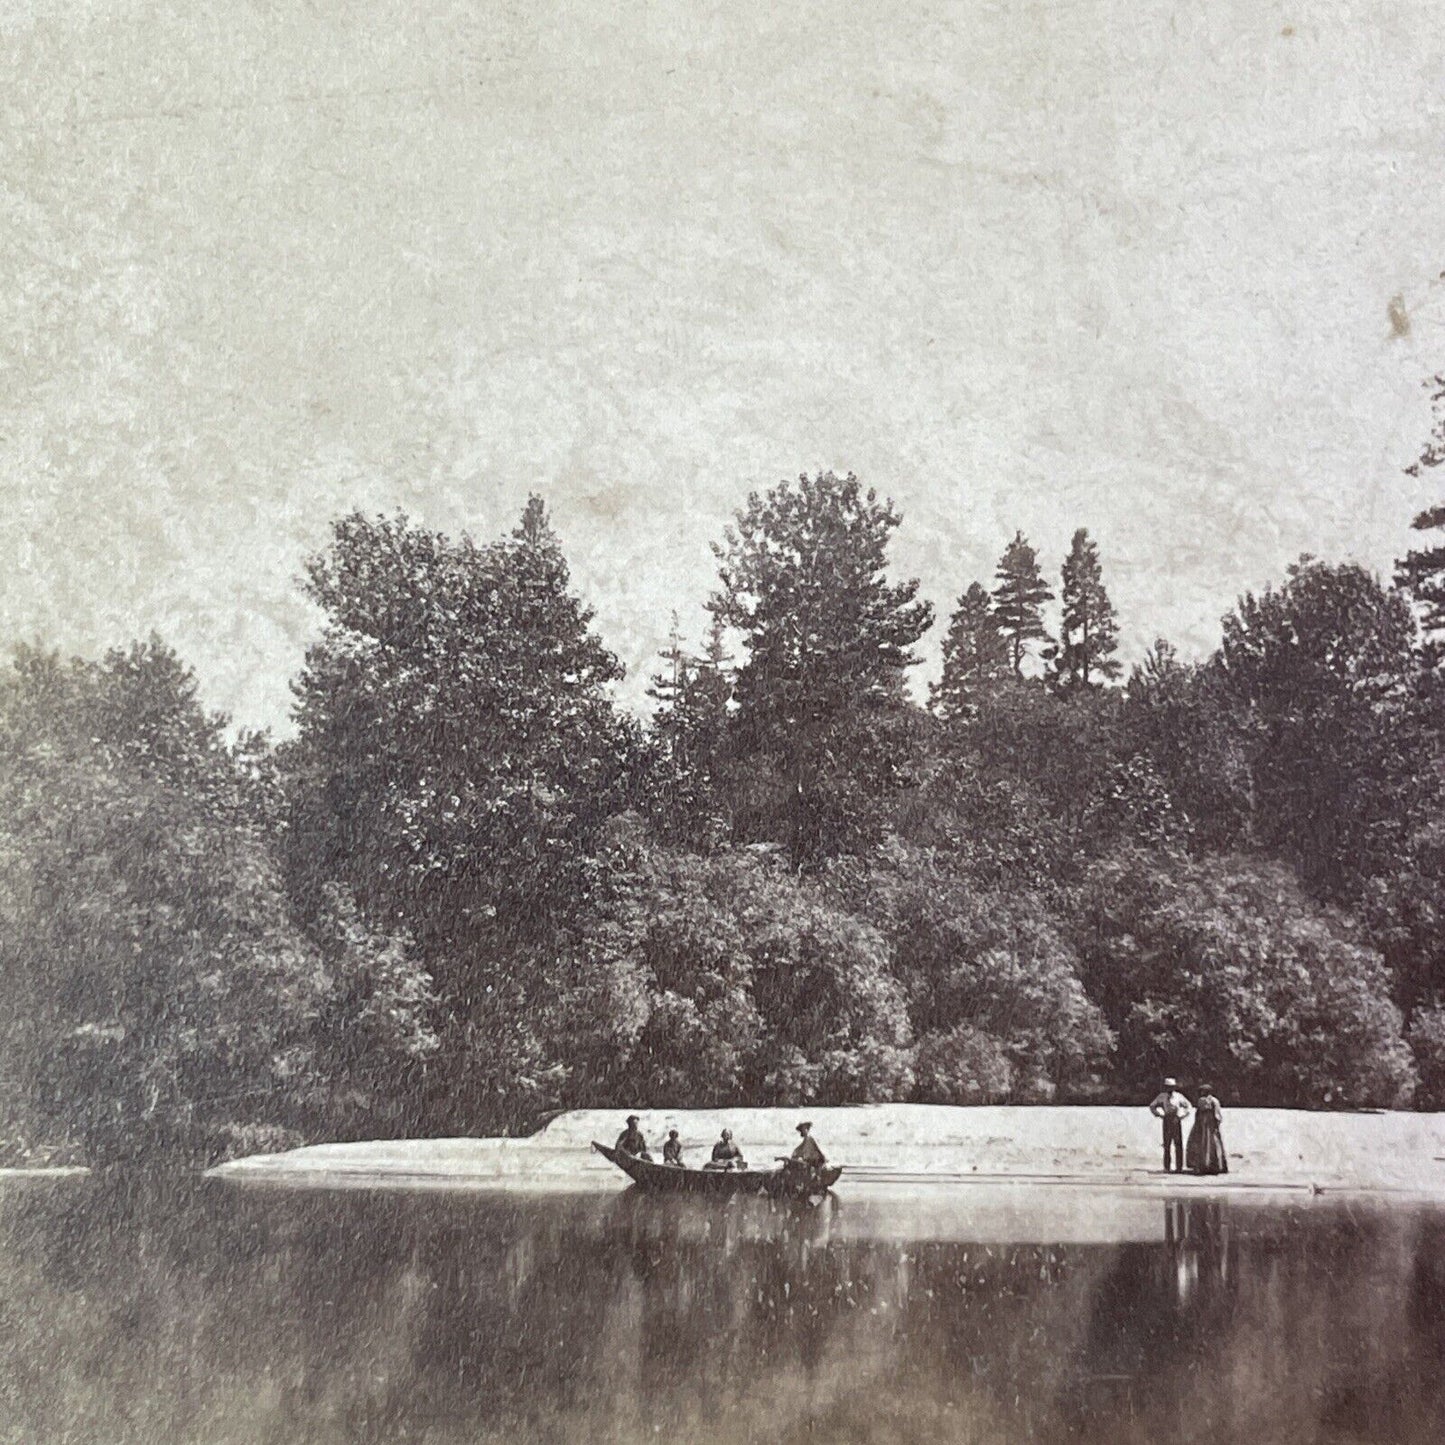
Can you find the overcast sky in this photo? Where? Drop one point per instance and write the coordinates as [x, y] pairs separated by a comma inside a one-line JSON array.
[[1171, 271]]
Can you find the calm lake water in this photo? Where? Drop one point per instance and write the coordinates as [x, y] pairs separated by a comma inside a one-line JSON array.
[[215, 1313]]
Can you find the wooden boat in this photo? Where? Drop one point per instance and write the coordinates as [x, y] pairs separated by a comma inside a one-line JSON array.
[[776, 1183]]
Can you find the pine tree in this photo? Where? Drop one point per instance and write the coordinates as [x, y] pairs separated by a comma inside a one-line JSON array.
[[1018, 598], [1421, 572], [1090, 632], [710, 686], [668, 684], [975, 653], [821, 713], [1433, 454], [692, 691], [689, 728]]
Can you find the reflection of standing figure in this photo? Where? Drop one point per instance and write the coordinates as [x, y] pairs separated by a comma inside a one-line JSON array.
[[1197, 1233], [1205, 1154]]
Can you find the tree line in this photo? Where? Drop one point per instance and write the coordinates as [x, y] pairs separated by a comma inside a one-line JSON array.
[[472, 890]]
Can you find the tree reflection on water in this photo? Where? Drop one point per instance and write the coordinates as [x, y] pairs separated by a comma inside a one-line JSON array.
[[202, 1313]]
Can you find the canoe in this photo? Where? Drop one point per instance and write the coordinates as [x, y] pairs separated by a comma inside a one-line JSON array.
[[777, 1183]]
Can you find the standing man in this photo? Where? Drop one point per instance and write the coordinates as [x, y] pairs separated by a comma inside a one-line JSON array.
[[1173, 1108], [630, 1140]]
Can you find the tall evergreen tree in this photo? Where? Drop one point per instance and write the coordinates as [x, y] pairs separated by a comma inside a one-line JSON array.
[[821, 713], [1090, 634], [670, 680], [975, 653], [1433, 453], [708, 695], [1019, 598], [1421, 572], [689, 730]]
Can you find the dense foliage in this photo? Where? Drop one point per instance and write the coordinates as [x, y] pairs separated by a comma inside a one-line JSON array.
[[471, 889], [1224, 961], [158, 984]]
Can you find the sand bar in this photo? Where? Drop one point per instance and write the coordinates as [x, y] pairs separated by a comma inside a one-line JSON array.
[[932, 1145]]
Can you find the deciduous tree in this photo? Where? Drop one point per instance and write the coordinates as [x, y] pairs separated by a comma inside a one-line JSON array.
[[1319, 677], [458, 752], [747, 984], [156, 983], [991, 961]]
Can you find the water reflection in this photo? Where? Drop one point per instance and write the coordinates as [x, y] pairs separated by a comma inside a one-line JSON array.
[[214, 1314], [1197, 1233]]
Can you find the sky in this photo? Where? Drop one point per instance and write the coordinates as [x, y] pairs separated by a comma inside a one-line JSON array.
[[1168, 271]]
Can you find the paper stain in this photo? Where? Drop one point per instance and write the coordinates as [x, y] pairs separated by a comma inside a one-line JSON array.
[[1399, 317]]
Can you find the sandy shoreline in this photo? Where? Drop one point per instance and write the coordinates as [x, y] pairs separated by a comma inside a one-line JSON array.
[[932, 1145]]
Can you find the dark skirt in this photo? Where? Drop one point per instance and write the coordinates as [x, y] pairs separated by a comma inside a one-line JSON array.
[[1204, 1154]]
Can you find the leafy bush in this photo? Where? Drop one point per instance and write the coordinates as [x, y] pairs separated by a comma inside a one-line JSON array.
[[1223, 967], [987, 960], [962, 1066], [1427, 1040], [748, 985]]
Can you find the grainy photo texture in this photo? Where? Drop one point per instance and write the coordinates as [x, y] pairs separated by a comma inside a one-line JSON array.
[[722, 722]]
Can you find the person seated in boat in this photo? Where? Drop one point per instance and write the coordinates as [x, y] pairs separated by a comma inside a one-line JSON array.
[[630, 1140], [726, 1154], [808, 1151], [672, 1151], [807, 1156]]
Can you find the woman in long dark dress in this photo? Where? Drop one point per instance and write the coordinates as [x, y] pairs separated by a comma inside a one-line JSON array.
[[1204, 1154]]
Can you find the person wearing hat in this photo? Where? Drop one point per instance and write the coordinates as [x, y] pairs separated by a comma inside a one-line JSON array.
[[631, 1141], [1173, 1108], [808, 1151], [672, 1150]]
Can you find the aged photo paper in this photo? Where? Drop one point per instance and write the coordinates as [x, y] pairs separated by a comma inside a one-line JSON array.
[[722, 722]]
